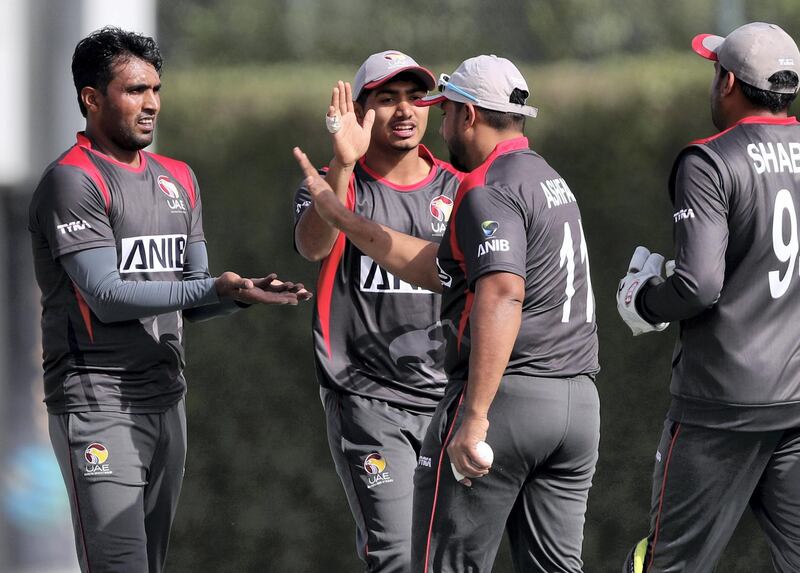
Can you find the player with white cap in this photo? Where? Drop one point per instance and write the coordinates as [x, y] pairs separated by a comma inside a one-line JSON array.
[[731, 437]]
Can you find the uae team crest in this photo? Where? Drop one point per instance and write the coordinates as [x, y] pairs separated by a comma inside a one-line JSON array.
[[96, 455], [440, 208], [377, 474]]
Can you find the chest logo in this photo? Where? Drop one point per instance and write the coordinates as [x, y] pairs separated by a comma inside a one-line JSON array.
[[375, 278], [152, 254], [174, 200], [440, 209]]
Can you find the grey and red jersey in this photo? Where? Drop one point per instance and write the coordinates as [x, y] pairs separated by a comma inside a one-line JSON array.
[[150, 214], [515, 214], [736, 281], [375, 335]]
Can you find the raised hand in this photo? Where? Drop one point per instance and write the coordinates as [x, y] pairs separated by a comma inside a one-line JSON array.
[[351, 141], [326, 204]]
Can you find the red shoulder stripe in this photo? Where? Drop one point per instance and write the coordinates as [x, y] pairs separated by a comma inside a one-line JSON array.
[[76, 157], [750, 119], [180, 171]]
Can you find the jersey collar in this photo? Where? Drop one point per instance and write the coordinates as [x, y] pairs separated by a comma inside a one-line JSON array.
[[86, 143], [507, 146], [424, 153], [752, 119]]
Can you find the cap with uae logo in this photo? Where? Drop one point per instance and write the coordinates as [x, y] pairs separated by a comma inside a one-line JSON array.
[[753, 52], [381, 67]]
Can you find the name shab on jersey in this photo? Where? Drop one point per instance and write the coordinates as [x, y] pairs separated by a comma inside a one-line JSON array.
[[152, 254], [374, 278]]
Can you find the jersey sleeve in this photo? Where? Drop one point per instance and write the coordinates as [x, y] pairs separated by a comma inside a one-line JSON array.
[[700, 232], [196, 232], [490, 230], [302, 198], [70, 212]]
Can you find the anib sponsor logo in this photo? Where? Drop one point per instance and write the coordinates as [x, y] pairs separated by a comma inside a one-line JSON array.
[[375, 278], [152, 254], [375, 466], [96, 456], [172, 192], [441, 207], [489, 228]]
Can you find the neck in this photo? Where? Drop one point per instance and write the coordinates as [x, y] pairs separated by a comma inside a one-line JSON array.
[[485, 140], [400, 167], [103, 144]]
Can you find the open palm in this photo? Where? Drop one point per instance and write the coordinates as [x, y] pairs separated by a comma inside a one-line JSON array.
[[350, 143]]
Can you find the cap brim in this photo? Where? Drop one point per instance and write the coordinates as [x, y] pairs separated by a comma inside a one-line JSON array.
[[706, 45], [424, 74], [430, 100]]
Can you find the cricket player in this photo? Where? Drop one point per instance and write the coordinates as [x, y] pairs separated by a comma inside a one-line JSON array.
[[120, 259], [513, 268], [379, 344], [732, 434]]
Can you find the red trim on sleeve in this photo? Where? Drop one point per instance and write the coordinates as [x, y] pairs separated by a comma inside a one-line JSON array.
[[180, 171], [700, 49], [327, 274], [753, 119], [76, 157], [85, 311], [661, 496], [438, 477]]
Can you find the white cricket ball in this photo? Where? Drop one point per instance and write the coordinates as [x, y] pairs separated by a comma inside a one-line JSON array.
[[485, 452]]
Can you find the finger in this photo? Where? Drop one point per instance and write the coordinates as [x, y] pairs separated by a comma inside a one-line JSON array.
[[342, 97], [334, 101], [304, 295], [305, 165], [638, 259], [348, 92], [245, 284], [653, 264]]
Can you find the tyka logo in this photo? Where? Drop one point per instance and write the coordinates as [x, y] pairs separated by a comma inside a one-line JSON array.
[[154, 254], [169, 189], [73, 226]]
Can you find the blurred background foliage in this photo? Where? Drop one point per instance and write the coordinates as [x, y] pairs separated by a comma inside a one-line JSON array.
[[619, 95]]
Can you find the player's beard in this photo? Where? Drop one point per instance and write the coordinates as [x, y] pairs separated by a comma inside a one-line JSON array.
[[458, 153], [128, 137]]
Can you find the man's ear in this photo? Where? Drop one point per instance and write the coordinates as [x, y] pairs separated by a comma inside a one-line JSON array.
[[727, 83], [470, 114], [91, 98]]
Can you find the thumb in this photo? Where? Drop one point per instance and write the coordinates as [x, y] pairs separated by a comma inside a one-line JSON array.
[[369, 119]]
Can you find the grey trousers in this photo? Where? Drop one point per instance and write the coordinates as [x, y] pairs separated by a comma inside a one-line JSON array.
[[375, 448], [123, 474], [705, 478], [545, 435]]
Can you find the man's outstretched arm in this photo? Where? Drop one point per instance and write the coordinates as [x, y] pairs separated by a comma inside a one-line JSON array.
[[409, 258]]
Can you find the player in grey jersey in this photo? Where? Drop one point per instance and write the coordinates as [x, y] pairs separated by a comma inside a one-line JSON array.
[[120, 258], [521, 359], [378, 341], [732, 433]]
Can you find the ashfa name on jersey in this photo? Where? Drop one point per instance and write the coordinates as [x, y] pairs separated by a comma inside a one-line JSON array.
[[152, 254], [377, 474]]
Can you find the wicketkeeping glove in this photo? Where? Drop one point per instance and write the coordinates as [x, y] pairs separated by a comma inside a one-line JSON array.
[[644, 267]]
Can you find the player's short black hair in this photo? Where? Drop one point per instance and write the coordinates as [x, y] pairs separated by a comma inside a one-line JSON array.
[[401, 77], [96, 55], [772, 101]]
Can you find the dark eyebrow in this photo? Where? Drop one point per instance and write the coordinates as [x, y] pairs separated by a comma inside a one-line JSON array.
[[140, 87]]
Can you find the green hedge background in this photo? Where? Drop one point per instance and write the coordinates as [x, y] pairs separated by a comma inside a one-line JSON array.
[[260, 492]]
